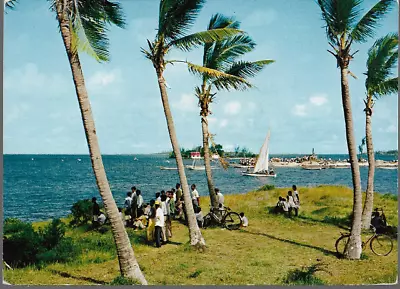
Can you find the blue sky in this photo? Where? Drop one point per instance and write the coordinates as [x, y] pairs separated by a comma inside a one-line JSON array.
[[297, 97]]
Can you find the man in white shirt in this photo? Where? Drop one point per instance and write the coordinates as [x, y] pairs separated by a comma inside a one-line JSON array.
[[220, 197], [164, 209], [128, 205], [139, 203], [159, 223], [296, 196], [102, 219], [134, 204], [195, 196]]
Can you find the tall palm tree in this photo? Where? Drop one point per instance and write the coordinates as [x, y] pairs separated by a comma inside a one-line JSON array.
[[175, 19], [221, 70], [10, 4], [382, 59], [343, 27], [83, 26]]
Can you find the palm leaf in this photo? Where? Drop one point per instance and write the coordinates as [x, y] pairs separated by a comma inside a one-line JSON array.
[[227, 81], [177, 16], [89, 21], [245, 69], [10, 4], [193, 40], [339, 15], [369, 22], [224, 53], [382, 58], [387, 87]]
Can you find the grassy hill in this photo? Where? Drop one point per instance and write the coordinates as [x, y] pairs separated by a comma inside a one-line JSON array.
[[272, 250]]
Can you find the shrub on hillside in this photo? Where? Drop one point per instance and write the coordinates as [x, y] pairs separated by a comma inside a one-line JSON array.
[[81, 212], [24, 246], [266, 187]]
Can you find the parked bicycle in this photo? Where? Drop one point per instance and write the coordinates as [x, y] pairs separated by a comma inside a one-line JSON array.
[[379, 243], [226, 218]]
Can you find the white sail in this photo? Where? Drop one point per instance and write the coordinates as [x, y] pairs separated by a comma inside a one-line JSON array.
[[262, 161]]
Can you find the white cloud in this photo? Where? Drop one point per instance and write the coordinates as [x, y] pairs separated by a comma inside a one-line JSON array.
[[318, 100], [15, 112], [212, 120], [102, 79], [223, 123], [300, 110], [232, 108], [29, 79], [187, 103], [391, 128]]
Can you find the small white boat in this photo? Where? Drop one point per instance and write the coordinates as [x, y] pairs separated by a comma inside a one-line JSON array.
[[240, 166], [388, 168], [261, 167], [168, 168], [135, 159], [312, 167], [79, 160]]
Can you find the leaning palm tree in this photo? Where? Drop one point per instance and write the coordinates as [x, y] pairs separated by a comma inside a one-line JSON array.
[[382, 59], [10, 4], [83, 26], [222, 70], [175, 19], [343, 27]]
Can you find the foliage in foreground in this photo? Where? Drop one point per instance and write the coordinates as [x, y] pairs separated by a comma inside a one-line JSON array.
[[24, 246]]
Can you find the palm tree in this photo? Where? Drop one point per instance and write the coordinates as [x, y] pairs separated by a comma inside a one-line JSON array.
[[10, 4], [342, 29], [222, 70], [382, 58], [175, 19], [83, 26]]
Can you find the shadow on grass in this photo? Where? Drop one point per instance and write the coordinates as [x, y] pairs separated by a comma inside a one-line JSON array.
[[67, 275], [325, 251], [342, 223]]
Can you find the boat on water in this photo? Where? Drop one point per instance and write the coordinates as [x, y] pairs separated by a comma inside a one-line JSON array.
[[261, 168], [168, 168], [196, 156], [240, 166], [312, 167]]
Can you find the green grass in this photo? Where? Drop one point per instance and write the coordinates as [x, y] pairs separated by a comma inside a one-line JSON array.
[[272, 250]]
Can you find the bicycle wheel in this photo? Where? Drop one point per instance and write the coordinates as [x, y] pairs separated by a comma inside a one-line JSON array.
[[232, 221], [207, 221], [381, 245], [340, 245]]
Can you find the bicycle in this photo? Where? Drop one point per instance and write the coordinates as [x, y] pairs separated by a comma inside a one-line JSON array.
[[379, 243], [230, 220]]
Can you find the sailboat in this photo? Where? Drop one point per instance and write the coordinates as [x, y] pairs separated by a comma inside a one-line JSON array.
[[261, 167]]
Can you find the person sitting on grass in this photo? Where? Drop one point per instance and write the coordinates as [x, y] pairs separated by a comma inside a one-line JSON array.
[[279, 206], [245, 222], [102, 218], [138, 224], [199, 217], [378, 222]]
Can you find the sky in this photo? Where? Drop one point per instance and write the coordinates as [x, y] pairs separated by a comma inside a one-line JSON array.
[[298, 97]]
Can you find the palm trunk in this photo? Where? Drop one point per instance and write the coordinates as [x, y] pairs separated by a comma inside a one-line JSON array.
[[213, 196], [369, 195], [127, 262], [196, 238], [353, 247]]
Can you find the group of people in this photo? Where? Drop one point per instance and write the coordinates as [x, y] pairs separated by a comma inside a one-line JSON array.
[[290, 203], [156, 216]]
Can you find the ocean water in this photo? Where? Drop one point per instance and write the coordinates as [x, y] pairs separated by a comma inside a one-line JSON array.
[[39, 187]]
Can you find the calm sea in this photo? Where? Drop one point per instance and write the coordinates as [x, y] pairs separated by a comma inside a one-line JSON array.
[[39, 187]]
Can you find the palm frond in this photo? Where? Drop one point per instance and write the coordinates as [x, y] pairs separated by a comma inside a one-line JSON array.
[[10, 4], [224, 53], [382, 59], [177, 16], [188, 42], [246, 69], [227, 81], [340, 16], [365, 28], [385, 88], [89, 21], [222, 21], [217, 21]]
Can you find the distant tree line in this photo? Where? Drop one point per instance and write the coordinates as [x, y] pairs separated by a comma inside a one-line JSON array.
[[241, 152], [390, 152]]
